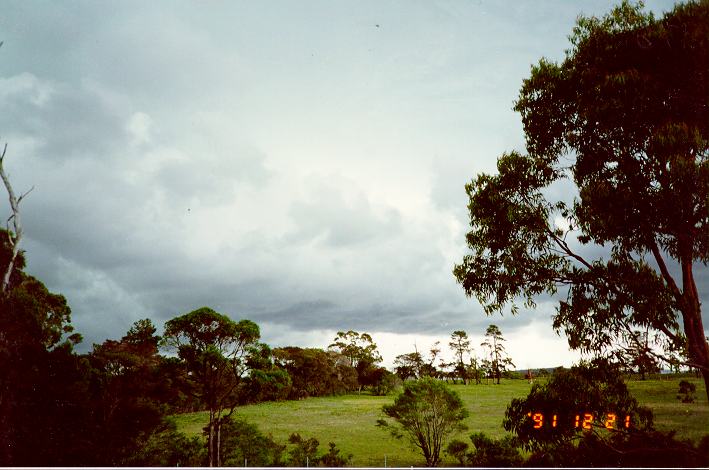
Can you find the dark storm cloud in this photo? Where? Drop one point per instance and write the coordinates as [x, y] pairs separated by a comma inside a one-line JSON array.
[[173, 148]]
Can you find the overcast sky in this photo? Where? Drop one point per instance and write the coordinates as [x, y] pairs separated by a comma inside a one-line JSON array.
[[301, 164]]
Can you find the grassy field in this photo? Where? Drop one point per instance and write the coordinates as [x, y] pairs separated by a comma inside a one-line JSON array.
[[350, 420]]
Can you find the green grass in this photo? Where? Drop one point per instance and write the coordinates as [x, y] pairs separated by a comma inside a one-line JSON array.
[[690, 420], [350, 420]]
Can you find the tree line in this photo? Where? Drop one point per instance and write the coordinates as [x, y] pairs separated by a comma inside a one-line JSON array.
[[466, 365]]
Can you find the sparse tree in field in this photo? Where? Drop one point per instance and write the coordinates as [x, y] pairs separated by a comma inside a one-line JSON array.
[[413, 365], [499, 361], [427, 412], [408, 365], [625, 119], [429, 368], [460, 345], [217, 351], [475, 370]]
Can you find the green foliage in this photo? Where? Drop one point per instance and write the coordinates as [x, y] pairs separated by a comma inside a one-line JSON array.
[[333, 458], [408, 365], [315, 372], [686, 392], [595, 389], [304, 453], [486, 452], [169, 448], [460, 345], [494, 452], [356, 347], [243, 444], [218, 352], [499, 361], [651, 449], [385, 383], [427, 412], [625, 119], [342, 418], [458, 450]]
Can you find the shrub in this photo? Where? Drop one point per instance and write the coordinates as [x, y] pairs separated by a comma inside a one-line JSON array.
[[486, 452], [686, 391], [242, 443]]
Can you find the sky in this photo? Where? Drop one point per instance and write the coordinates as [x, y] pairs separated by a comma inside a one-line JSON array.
[[301, 164]]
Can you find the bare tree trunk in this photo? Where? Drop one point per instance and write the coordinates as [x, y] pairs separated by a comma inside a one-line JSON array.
[[16, 224]]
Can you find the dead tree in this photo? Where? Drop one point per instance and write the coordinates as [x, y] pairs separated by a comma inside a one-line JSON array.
[[15, 235]]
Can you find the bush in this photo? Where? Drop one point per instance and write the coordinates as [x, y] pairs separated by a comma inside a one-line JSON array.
[[304, 453], [486, 452], [686, 391], [458, 450], [387, 383], [494, 453], [169, 448], [242, 442]]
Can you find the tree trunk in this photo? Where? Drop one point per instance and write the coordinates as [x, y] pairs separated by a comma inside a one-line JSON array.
[[692, 318], [210, 439], [219, 444]]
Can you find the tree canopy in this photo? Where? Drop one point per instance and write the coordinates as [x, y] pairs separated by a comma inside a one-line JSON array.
[[216, 350], [625, 119]]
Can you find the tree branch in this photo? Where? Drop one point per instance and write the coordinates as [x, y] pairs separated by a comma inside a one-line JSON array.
[[565, 247], [664, 271]]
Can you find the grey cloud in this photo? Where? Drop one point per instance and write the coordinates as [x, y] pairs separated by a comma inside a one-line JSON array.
[[338, 223]]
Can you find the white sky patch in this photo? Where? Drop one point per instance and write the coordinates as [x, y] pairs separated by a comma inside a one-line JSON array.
[[139, 126], [38, 91], [535, 346], [561, 223]]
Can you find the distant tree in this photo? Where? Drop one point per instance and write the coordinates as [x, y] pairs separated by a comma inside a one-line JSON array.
[[638, 354], [315, 372], [414, 365], [356, 347], [408, 365], [360, 350], [475, 371], [625, 118], [429, 368], [499, 361], [460, 345], [427, 412], [216, 351]]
